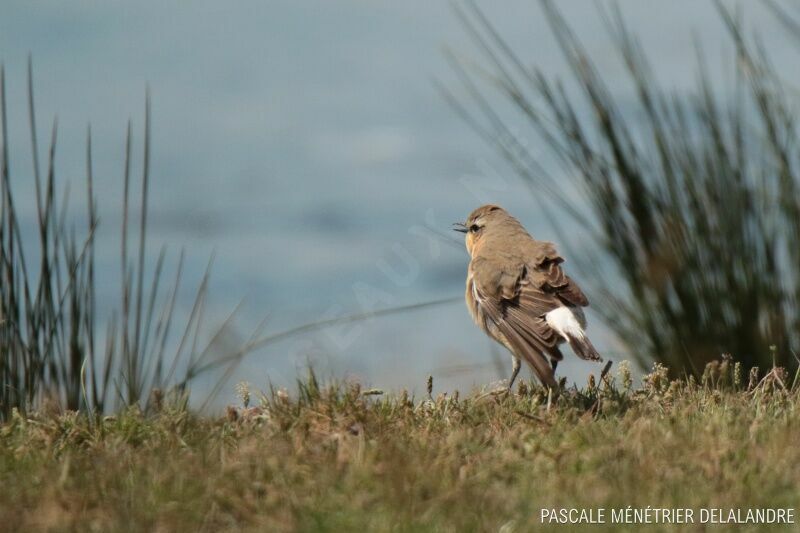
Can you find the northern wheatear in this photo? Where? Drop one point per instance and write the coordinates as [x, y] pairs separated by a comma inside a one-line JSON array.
[[519, 295]]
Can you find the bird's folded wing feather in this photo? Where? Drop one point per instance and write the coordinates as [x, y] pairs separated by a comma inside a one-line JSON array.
[[545, 272], [528, 338], [516, 297]]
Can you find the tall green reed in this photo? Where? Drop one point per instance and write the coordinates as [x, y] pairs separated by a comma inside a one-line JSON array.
[[692, 199], [49, 342]]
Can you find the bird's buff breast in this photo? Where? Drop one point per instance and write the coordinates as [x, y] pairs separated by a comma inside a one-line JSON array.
[[479, 316]]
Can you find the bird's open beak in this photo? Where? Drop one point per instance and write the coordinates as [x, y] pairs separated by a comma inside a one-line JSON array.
[[460, 227]]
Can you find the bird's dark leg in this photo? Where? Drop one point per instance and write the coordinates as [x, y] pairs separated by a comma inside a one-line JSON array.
[[554, 364], [514, 371]]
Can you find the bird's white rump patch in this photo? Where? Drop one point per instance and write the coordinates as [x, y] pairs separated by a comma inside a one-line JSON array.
[[567, 322]]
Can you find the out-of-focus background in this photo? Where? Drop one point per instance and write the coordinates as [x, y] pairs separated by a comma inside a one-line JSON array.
[[307, 146]]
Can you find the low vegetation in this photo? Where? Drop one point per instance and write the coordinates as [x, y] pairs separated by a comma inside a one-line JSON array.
[[336, 457]]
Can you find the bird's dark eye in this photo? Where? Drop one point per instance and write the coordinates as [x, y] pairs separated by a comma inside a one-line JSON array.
[[474, 228]]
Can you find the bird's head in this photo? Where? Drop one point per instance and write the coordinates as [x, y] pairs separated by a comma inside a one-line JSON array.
[[481, 221]]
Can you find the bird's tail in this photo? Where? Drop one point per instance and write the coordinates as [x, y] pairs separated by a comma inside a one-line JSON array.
[[583, 347]]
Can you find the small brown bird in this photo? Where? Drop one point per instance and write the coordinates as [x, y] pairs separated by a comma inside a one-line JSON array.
[[519, 295]]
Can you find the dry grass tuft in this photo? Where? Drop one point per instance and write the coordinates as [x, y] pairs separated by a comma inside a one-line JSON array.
[[334, 457]]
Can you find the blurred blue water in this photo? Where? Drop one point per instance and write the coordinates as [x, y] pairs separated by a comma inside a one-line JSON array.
[[305, 144]]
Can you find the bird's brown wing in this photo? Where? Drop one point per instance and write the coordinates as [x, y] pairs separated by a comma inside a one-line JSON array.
[[545, 273], [515, 296]]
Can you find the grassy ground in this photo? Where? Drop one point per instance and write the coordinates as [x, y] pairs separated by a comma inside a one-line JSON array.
[[333, 458]]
